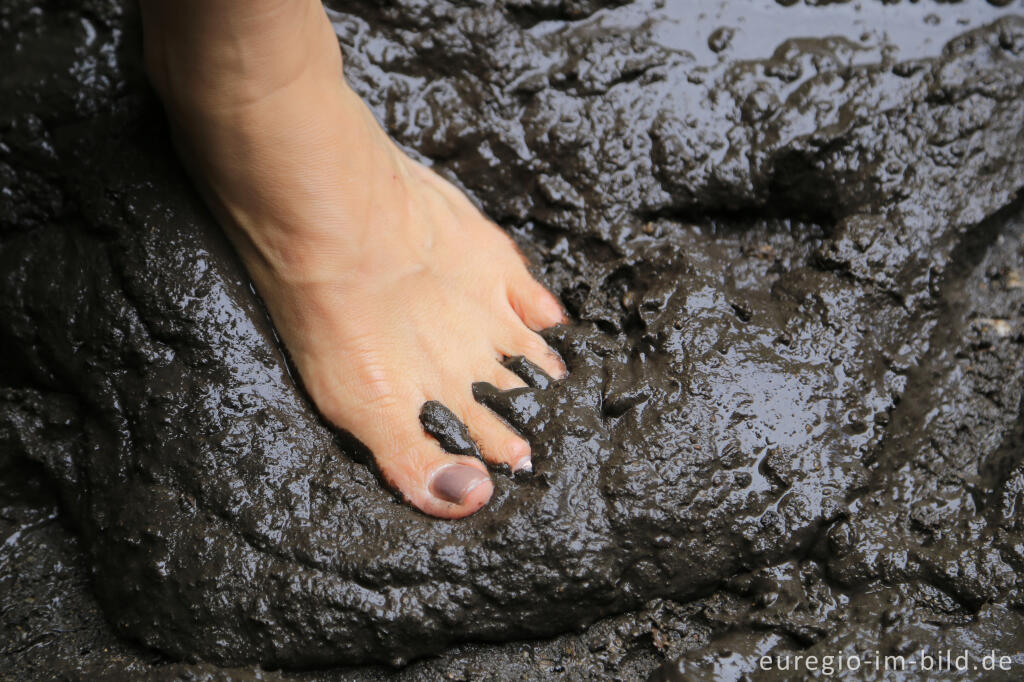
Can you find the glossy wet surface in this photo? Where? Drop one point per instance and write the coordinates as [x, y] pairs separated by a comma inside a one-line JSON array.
[[793, 264]]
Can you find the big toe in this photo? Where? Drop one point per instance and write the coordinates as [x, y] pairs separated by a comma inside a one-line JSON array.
[[461, 484], [432, 480]]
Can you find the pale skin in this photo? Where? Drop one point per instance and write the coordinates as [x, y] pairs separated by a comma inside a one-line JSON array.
[[387, 286]]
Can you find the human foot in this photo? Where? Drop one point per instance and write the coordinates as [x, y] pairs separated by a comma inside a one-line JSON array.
[[386, 284]]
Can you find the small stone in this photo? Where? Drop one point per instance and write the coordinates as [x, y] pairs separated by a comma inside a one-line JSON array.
[[720, 38]]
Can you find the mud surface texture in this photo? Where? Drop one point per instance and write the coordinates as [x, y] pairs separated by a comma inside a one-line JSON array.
[[793, 420]]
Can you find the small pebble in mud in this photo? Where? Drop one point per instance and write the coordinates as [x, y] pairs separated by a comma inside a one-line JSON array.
[[759, 105], [720, 38], [1000, 328], [787, 71]]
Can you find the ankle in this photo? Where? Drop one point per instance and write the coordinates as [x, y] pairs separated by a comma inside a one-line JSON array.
[[217, 55]]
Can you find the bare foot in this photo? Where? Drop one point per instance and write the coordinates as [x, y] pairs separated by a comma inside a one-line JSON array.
[[386, 284]]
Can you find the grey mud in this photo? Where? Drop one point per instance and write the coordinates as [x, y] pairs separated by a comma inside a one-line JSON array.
[[791, 244]]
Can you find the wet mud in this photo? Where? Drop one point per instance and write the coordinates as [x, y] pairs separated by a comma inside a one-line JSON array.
[[793, 419]]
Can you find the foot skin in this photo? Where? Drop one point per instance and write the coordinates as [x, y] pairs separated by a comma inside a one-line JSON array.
[[386, 284]]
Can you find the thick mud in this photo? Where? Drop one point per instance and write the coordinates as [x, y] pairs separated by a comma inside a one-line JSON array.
[[793, 419]]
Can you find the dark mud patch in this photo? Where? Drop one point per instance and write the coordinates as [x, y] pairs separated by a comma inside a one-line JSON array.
[[764, 259]]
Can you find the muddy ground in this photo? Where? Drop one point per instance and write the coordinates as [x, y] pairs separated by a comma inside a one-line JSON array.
[[791, 241]]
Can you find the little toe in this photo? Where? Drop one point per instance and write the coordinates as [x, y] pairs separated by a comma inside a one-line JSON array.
[[535, 305]]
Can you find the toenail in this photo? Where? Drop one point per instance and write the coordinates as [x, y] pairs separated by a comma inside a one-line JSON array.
[[454, 481], [524, 465]]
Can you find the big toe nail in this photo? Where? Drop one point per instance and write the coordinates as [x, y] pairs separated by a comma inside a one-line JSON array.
[[454, 482]]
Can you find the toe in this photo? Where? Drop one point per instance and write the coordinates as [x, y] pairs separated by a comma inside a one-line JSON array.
[[531, 375], [505, 379], [461, 484], [536, 306], [534, 348], [432, 480], [498, 443]]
